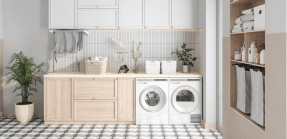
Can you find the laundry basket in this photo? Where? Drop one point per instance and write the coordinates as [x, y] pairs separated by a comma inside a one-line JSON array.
[[258, 100], [95, 66], [243, 89]]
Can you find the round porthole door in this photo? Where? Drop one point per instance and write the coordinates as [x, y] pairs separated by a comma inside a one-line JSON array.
[[152, 99], [185, 99]]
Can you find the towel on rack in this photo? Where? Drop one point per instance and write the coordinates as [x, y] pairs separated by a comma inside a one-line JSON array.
[[248, 26], [68, 41], [248, 11]]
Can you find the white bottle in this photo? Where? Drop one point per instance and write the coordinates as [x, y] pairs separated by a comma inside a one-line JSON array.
[[262, 54], [243, 53], [252, 51]]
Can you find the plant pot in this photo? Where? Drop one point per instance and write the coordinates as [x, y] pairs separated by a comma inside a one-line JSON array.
[[24, 113], [185, 68]]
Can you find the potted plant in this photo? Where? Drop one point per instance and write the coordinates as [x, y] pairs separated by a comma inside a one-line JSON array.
[[185, 56], [25, 74], [136, 54]]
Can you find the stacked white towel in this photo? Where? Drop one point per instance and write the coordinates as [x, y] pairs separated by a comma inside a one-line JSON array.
[[244, 22]]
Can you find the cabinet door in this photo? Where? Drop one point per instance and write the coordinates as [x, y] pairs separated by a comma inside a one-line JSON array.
[[157, 13], [97, 18], [126, 99], [131, 14], [58, 99], [98, 110], [98, 3], [184, 14], [95, 88], [62, 14]]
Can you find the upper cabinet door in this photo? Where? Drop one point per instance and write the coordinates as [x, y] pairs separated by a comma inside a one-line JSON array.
[[131, 14], [157, 13], [184, 14], [97, 18], [62, 14], [98, 3]]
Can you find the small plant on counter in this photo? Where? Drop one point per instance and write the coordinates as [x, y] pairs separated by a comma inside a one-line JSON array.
[[136, 54], [185, 56], [25, 74]]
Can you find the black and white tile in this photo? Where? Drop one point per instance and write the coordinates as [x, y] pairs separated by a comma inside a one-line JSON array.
[[11, 128]]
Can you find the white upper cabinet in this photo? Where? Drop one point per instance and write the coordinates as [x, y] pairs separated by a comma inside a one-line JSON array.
[[62, 14], [157, 13], [184, 14], [97, 3], [131, 14], [97, 18]]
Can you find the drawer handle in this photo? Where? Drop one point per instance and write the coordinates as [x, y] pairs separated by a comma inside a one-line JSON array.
[[94, 98]]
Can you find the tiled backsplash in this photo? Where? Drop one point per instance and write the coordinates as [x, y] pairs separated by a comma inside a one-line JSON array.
[[157, 45]]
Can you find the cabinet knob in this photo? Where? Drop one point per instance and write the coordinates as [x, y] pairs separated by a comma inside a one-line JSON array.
[[94, 98]]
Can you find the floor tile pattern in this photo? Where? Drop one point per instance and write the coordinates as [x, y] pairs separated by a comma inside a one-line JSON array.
[[11, 128]]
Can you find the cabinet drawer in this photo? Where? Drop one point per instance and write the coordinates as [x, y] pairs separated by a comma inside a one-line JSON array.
[[97, 3], [98, 110], [97, 18], [95, 88]]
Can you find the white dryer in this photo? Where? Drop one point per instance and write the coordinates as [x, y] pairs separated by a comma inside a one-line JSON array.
[[151, 101], [185, 100]]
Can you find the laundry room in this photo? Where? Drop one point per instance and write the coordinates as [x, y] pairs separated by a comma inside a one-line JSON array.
[[198, 69]]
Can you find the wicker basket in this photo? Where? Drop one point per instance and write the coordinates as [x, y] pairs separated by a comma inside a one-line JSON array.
[[95, 66]]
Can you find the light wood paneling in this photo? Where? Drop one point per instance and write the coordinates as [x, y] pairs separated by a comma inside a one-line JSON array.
[[126, 101], [95, 88], [58, 99], [98, 110]]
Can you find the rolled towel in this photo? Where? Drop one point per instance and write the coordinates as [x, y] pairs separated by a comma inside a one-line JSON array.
[[248, 11], [237, 30], [238, 21], [248, 17], [238, 26], [248, 26]]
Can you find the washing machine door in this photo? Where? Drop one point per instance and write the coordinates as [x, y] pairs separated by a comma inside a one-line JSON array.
[[185, 99], [152, 99]]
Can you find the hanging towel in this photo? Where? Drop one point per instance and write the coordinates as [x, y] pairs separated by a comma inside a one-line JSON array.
[[248, 26], [68, 41], [248, 11]]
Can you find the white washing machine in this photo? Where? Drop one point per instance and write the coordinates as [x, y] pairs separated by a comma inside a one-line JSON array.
[[185, 100], [151, 101]]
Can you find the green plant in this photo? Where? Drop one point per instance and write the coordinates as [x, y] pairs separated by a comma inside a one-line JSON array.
[[185, 55], [25, 73], [135, 51]]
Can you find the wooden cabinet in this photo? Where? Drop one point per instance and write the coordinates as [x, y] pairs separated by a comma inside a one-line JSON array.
[[58, 99], [98, 3], [62, 14], [157, 13], [184, 14], [97, 18], [95, 88], [98, 110], [131, 14], [126, 99]]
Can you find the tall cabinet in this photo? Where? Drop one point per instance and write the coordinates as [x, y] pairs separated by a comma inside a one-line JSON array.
[[236, 42]]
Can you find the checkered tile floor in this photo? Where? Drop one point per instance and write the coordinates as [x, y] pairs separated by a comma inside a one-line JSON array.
[[10, 128]]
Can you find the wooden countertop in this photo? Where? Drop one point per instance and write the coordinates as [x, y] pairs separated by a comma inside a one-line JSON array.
[[116, 75]]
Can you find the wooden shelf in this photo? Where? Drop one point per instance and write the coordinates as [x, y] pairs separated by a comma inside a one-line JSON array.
[[253, 31], [247, 63], [241, 2], [247, 116]]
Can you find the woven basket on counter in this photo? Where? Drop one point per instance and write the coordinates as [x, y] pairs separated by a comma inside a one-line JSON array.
[[95, 66]]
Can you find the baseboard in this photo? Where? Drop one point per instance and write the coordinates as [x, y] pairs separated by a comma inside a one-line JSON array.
[[208, 125]]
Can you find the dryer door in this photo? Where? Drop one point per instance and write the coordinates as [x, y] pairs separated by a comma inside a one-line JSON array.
[[152, 99], [185, 99]]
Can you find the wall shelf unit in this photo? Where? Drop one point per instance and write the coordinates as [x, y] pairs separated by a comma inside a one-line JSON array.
[[236, 42]]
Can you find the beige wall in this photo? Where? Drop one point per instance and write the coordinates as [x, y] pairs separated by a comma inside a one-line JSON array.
[[236, 126]]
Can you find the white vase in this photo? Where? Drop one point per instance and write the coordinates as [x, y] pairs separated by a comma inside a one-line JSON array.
[[24, 113], [185, 68]]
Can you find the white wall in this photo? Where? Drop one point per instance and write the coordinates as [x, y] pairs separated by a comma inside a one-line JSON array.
[[26, 29], [273, 23], [1, 19]]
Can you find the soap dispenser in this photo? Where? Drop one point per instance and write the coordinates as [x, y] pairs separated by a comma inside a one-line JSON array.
[[252, 52], [262, 54]]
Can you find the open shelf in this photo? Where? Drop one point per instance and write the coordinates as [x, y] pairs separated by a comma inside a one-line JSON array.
[[247, 116], [241, 2], [247, 63], [253, 31]]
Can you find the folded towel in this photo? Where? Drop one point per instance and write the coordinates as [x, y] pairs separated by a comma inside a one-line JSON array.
[[248, 17], [68, 41], [238, 21], [238, 26], [248, 26], [248, 11], [237, 30]]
